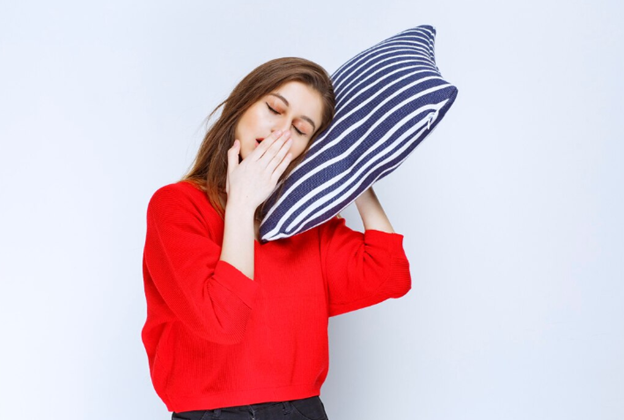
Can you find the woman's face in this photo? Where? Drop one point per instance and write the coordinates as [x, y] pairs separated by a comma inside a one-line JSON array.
[[293, 106]]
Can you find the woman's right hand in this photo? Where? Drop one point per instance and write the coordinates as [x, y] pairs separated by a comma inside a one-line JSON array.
[[253, 179]]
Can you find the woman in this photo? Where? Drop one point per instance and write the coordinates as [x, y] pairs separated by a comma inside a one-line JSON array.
[[237, 329]]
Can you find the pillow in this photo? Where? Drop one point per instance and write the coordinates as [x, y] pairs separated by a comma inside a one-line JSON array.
[[388, 99]]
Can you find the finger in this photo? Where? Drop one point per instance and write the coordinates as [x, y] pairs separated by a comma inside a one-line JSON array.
[[274, 149], [233, 156], [266, 144], [277, 159], [275, 176]]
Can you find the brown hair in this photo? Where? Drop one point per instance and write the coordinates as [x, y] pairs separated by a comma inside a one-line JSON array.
[[209, 170]]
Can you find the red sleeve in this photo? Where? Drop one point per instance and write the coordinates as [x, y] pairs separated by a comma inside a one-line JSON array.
[[212, 298], [362, 269]]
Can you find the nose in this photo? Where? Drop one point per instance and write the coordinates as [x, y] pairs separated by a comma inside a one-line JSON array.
[[282, 126]]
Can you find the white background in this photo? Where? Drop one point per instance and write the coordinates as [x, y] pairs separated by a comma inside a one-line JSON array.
[[511, 209]]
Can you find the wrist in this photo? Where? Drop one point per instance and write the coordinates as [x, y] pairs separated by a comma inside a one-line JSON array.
[[239, 207]]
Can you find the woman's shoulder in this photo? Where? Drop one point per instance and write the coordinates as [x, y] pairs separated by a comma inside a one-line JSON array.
[[186, 206], [336, 219], [329, 226], [182, 195], [178, 191]]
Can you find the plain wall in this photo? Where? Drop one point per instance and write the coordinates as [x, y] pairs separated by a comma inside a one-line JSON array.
[[511, 209]]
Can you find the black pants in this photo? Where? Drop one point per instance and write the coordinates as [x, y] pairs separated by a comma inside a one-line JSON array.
[[304, 409]]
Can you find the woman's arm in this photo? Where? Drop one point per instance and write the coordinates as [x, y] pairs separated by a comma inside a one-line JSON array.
[[363, 269], [238, 237], [184, 277], [371, 212]]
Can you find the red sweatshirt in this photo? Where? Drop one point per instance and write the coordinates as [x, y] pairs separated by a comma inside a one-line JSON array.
[[215, 338]]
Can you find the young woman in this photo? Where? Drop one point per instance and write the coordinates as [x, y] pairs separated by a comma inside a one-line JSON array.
[[237, 329]]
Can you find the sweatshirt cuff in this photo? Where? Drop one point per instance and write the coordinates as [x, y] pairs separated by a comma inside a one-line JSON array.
[[391, 241], [399, 268], [236, 282]]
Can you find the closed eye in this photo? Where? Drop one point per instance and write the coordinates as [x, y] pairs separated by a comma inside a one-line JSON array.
[[272, 110], [275, 112]]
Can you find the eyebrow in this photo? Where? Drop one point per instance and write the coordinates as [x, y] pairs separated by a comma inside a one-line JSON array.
[[303, 117]]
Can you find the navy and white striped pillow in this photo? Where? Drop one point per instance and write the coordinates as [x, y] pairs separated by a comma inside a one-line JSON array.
[[388, 99]]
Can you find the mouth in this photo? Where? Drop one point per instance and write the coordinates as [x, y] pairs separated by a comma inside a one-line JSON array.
[[258, 141]]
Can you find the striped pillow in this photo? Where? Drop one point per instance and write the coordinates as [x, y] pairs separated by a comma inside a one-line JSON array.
[[388, 99]]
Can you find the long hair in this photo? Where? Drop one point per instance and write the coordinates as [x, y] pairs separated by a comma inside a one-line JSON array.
[[209, 169]]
